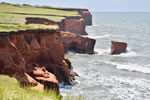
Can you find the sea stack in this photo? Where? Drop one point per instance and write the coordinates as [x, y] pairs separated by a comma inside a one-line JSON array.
[[118, 47]]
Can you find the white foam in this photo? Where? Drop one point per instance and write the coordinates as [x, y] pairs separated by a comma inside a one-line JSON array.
[[131, 67], [128, 53], [128, 88], [124, 88], [99, 36], [102, 51], [104, 35]]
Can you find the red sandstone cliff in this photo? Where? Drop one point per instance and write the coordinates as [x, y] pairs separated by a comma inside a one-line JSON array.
[[29, 52], [74, 24], [70, 24], [77, 43], [85, 14]]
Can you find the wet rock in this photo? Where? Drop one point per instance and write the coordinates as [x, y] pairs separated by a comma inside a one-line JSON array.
[[118, 47]]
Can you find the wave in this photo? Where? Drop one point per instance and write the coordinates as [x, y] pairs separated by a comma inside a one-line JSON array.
[[101, 36], [102, 51], [131, 67], [134, 68], [128, 53]]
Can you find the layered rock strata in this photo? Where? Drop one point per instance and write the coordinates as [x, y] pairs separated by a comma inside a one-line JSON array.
[[21, 50]]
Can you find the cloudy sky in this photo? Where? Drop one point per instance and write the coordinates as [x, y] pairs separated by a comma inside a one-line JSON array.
[[93, 5]]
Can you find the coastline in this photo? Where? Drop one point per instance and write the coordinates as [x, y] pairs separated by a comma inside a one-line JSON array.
[[36, 56]]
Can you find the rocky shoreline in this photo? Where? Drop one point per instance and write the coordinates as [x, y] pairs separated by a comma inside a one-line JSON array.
[[36, 57]]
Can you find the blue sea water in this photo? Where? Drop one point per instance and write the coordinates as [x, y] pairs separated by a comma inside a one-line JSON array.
[[115, 77]]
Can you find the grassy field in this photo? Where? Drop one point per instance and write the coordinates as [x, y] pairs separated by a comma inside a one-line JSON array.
[[34, 10], [11, 14], [21, 18], [10, 90], [17, 13], [16, 27]]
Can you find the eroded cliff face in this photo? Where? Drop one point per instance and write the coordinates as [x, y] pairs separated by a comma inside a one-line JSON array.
[[86, 15], [71, 24], [77, 43], [45, 49], [11, 61], [34, 57], [30, 20], [76, 26]]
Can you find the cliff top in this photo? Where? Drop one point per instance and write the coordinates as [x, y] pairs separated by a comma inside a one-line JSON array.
[[13, 16], [22, 27], [12, 86], [15, 13]]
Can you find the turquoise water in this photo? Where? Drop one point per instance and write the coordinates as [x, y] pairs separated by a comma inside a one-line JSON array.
[[118, 77]]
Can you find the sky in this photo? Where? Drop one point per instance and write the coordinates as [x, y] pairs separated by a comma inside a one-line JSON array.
[[93, 5]]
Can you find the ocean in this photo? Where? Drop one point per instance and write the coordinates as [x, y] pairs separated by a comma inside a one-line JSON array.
[[114, 77]]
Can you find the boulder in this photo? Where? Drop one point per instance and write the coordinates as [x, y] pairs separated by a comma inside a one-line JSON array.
[[41, 75], [77, 43], [118, 47]]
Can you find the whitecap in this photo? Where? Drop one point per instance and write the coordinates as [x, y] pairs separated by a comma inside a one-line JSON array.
[[128, 53], [134, 68], [131, 67], [99, 36], [100, 51]]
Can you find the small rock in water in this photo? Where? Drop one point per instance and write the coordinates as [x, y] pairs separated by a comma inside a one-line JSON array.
[[118, 47]]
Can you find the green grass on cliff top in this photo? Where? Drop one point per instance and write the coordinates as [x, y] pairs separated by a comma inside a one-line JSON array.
[[10, 90], [16, 27], [8, 8], [10, 13], [9, 18]]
